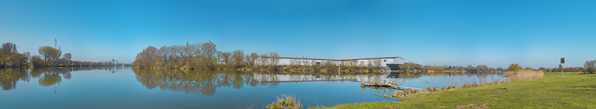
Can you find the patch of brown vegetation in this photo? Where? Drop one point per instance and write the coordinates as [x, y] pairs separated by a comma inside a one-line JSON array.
[[472, 106], [488, 96], [505, 88], [523, 75]]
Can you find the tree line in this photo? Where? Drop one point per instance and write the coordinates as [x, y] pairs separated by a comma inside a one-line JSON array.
[[589, 67], [205, 56], [48, 57], [415, 67], [566, 69], [193, 56]]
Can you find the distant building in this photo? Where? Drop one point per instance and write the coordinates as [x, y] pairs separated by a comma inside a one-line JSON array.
[[391, 62], [305, 78]]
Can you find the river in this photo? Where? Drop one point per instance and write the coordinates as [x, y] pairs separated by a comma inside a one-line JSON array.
[[76, 88]]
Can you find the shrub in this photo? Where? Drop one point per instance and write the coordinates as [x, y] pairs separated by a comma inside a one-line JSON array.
[[285, 102], [514, 67]]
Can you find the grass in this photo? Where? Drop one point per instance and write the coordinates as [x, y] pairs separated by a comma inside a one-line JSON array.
[[576, 91]]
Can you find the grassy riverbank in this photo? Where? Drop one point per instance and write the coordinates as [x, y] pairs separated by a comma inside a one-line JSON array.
[[575, 90]]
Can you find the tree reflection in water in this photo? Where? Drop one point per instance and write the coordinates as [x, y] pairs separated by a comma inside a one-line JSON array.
[[10, 77], [196, 81], [48, 76], [202, 82]]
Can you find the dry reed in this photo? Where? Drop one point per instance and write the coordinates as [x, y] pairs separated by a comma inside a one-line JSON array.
[[523, 75]]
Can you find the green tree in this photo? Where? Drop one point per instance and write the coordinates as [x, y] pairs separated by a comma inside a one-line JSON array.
[[50, 54], [9, 56], [38, 61], [514, 67], [146, 57]]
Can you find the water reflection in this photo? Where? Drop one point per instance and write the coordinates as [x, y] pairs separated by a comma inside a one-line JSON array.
[[48, 76], [423, 80], [313, 77], [385, 78], [205, 82], [206, 89], [196, 81], [385, 92], [10, 77]]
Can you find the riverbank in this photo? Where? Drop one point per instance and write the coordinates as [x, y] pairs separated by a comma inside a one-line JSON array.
[[575, 90]]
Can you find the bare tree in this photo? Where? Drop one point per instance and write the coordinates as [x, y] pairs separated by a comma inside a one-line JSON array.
[[274, 58], [67, 56], [238, 58], [209, 52], [590, 66], [8, 48]]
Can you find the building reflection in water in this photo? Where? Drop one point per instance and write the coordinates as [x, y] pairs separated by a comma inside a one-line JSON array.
[[202, 82], [328, 77]]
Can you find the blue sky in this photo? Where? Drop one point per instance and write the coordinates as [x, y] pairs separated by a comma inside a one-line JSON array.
[[533, 33]]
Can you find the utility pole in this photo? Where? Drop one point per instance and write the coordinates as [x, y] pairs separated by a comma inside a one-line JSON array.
[[561, 70], [55, 43]]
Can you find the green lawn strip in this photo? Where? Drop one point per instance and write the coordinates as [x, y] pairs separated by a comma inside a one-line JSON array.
[[576, 90]]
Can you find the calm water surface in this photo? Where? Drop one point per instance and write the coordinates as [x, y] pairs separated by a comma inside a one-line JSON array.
[[75, 88]]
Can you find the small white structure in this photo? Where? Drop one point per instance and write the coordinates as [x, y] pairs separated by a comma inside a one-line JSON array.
[[384, 61]]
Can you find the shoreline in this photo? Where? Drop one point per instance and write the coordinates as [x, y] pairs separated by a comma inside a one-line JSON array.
[[573, 91]]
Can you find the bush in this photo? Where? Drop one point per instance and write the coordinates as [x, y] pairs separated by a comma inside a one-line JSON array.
[[514, 67], [285, 102]]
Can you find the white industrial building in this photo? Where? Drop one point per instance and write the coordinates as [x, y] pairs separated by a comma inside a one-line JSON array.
[[303, 78], [385, 61]]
